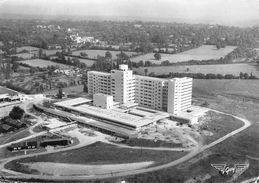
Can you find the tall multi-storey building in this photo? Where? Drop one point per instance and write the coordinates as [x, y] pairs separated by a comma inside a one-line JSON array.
[[179, 95], [171, 95], [150, 92], [123, 85], [99, 82]]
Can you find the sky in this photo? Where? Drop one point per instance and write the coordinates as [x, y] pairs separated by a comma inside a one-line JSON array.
[[232, 12]]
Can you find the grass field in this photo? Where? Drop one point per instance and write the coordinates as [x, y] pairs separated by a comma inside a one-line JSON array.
[[42, 63], [223, 69], [24, 55], [4, 90], [240, 88], [205, 52], [94, 53], [240, 148], [100, 153], [219, 125], [87, 62]]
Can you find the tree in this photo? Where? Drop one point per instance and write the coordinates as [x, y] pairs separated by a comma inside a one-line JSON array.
[[15, 66], [16, 113], [60, 93], [146, 71], [157, 56], [83, 54], [108, 55], [85, 88], [40, 52]]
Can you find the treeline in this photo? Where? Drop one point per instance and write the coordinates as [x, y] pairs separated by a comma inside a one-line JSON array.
[[15, 87], [204, 76], [239, 52]]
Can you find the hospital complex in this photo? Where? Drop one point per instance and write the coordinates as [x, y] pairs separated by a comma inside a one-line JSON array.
[[123, 87], [120, 102]]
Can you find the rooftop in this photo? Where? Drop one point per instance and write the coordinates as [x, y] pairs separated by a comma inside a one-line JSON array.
[[73, 102], [101, 73], [114, 115], [150, 78]]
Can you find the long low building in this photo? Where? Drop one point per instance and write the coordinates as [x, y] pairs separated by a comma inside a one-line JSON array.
[[128, 118], [99, 125]]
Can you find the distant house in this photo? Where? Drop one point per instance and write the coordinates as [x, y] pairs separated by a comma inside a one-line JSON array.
[[55, 142], [23, 146]]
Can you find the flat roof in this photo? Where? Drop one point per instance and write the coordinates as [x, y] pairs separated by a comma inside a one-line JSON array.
[[72, 102], [102, 73], [150, 78], [6, 95], [115, 114]]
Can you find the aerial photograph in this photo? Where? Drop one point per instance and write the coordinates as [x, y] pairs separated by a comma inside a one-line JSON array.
[[129, 91]]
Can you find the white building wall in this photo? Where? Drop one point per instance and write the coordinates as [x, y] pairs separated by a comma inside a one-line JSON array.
[[149, 91], [179, 95], [173, 95], [123, 85], [103, 101], [99, 82]]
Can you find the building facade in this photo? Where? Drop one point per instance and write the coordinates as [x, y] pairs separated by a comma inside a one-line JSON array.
[[171, 95], [123, 85], [103, 101], [99, 82]]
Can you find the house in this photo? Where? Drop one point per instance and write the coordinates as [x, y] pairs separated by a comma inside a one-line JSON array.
[[23, 146], [55, 142]]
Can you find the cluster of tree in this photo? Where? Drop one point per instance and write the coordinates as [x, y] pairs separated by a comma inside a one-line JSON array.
[[72, 62], [205, 76], [17, 88], [16, 113]]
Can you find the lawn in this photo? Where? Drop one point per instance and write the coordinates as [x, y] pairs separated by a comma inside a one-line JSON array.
[[19, 135], [151, 143], [223, 69], [27, 48], [235, 150], [42, 63], [94, 53], [242, 89], [100, 153], [219, 124], [205, 52], [87, 62], [4, 90]]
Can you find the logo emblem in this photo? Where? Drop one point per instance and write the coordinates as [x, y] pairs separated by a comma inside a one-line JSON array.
[[237, 169]]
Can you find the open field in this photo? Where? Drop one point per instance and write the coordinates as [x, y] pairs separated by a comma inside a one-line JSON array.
[[241, 148], [223, 69], [214, 125], [205, 52], [77, 169], [87, 62], [100, 153], [244, 89], [4, 90], [24, 55], [27, 48], [94, 53], [42, 63]]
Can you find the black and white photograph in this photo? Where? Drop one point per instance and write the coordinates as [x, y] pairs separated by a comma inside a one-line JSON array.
[[129, 91]]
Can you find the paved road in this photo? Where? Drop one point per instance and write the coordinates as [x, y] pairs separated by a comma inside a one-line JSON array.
[[252, 180], [190, 155]]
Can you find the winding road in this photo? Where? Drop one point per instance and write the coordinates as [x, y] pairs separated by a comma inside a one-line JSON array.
[[190, 155]]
